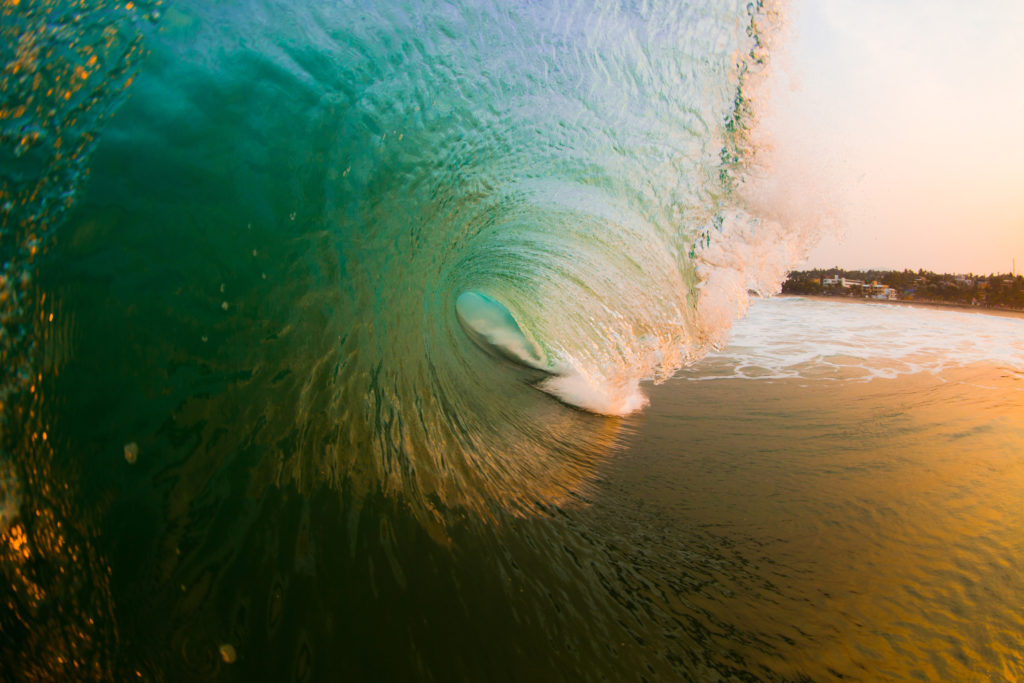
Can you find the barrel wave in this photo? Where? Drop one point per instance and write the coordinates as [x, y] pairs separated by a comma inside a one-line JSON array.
[[333, 226], [301, 296], [329, 333]]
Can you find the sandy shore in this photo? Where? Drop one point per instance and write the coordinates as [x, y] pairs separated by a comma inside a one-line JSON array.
[[1002, 312]]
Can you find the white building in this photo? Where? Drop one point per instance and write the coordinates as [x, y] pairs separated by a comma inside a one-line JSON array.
[[875, 290], [843, 282]]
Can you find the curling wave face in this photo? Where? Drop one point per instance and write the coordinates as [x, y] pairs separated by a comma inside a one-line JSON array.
[[333, 212]]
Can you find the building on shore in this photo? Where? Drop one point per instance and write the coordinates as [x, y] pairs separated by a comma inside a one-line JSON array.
[[845, 283], [873, 289], [878, 290]]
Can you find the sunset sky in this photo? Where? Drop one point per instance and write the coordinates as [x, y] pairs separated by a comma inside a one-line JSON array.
[[910, 114]]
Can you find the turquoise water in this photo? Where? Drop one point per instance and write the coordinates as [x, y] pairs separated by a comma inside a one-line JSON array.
[[295, 198], [330, 344]]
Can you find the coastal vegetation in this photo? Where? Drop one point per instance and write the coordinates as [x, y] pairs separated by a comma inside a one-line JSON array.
[[1004, 291]]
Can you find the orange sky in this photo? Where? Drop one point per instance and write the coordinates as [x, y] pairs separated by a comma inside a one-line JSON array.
[[907, 115]]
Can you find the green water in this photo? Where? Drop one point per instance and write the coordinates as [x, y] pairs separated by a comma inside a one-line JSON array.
[[246, 437]]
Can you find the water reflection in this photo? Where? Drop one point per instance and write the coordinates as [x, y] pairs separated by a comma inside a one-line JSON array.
[[858, 529]]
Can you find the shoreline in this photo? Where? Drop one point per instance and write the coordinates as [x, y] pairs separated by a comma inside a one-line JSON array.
[[1001, 312]]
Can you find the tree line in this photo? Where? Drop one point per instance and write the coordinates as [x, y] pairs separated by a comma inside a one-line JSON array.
[[991, 291]]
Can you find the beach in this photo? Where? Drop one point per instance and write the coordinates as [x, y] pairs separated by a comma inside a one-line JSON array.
[[1005, 312]]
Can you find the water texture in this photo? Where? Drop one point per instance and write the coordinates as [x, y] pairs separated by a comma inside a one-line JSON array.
[[326, 337], [300, 195]]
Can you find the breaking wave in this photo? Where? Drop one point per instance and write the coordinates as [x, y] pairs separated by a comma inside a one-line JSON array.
[[377, 237]]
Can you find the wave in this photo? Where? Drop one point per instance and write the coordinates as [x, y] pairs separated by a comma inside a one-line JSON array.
[[338, 216]]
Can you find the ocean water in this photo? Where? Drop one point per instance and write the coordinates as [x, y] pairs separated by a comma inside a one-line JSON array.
[[392, 342]]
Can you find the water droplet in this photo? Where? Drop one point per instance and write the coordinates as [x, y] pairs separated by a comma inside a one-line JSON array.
[[227, 653]]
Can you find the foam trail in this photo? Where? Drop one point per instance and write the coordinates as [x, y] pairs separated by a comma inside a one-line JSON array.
[[578, 390]]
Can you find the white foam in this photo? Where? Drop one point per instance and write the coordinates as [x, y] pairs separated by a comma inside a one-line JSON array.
[[793, 337], [577, 389]]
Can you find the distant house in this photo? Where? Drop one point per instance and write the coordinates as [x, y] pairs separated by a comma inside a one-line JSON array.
[[887, 293], [845, 283], [878, 290]]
